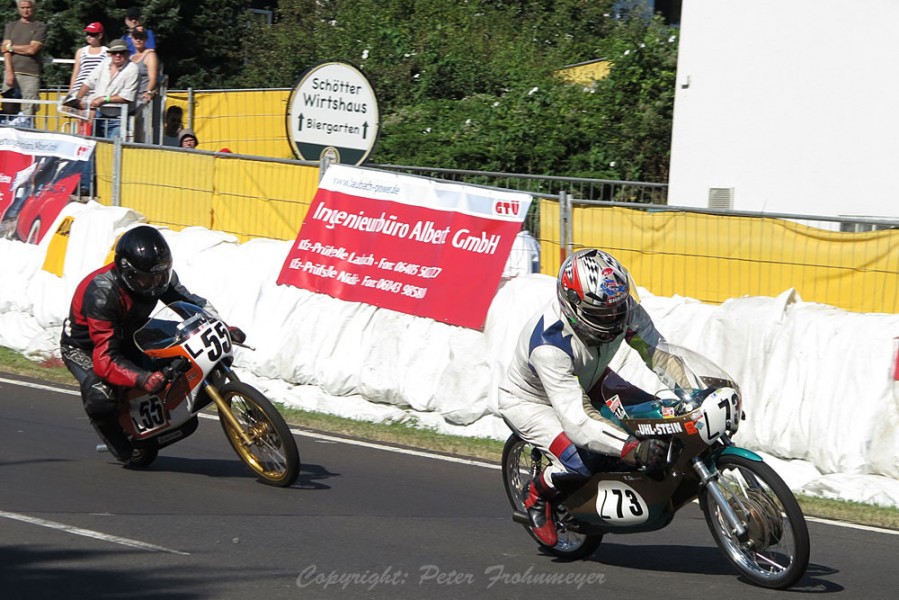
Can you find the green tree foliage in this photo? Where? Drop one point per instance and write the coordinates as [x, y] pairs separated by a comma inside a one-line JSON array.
[[533, 121], [275, 56], [473, 84]]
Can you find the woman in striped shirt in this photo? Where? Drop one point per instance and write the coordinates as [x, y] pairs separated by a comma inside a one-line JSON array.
[[87, 58]]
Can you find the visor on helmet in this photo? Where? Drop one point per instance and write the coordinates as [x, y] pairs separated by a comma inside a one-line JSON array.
[[603, 323], [152, 283]]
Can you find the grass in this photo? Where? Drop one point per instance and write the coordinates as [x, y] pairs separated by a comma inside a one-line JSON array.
[[406, 435]]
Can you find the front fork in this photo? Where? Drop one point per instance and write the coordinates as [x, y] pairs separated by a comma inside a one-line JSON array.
[[709, 480], [224, 410]]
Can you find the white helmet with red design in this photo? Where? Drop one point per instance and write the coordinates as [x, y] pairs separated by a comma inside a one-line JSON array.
[[595, 295]]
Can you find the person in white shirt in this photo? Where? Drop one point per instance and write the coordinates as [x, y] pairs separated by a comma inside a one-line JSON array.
[[111, 86]]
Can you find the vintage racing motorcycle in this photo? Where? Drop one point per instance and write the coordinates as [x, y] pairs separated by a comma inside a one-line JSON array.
[[752, 514], [194, 350]]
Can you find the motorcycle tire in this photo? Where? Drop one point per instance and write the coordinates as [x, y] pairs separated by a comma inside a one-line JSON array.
[[143, 457], [516, 470], [776, 553], [273, 453]]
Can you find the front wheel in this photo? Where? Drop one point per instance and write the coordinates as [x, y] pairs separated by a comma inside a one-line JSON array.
[[520, 460], [776, 551], [272, 452]]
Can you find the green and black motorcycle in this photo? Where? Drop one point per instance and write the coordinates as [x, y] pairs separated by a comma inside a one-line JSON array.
[[752, 514]]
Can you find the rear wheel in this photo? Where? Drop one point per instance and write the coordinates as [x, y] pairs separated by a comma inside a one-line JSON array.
[[776, 551], [521, 461], [272, 452]]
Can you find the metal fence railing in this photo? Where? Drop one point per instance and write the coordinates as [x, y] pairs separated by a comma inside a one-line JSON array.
[[549, 185]]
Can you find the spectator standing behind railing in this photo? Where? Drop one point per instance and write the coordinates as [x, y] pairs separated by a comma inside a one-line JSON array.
[[147, 62], [22, 43], [187, 138], [111, 85], [133, 20], [87, 58], [173, 126]]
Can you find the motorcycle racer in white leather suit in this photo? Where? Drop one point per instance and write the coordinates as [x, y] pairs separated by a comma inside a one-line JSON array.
[[563, 353]]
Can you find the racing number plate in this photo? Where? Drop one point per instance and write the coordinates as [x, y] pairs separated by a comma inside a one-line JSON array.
[[620, 504], [148, 414]]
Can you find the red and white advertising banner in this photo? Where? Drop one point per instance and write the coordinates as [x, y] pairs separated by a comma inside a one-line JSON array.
[[39, 172], [425, 248]]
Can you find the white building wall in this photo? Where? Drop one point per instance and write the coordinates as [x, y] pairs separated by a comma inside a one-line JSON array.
[[793, 104]]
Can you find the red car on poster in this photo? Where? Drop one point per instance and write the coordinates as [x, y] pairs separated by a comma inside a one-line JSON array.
[[36, 196], [40, 211], [39, 171]]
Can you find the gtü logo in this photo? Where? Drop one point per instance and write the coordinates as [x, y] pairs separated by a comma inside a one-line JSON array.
[[508, 207]]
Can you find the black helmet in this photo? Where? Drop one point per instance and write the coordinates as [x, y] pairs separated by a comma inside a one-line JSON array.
[[143, 261]]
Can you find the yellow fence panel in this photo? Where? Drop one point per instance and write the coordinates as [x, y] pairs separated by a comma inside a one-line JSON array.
[[177, 189], [250, 122], [713, 258], [168, 187], [550, 245], [262, 199]]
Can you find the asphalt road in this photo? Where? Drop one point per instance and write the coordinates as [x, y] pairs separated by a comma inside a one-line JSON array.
[[362, 522]]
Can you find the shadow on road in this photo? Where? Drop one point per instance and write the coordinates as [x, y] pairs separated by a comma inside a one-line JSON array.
[[33, 572], [702, 560], [310, 478]]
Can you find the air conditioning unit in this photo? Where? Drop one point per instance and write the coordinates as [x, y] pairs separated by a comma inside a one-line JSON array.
[[721, 198]]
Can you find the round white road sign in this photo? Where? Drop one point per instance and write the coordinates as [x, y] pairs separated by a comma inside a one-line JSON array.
[[333, 110]]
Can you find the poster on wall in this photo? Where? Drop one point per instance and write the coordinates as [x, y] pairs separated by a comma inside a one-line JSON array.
[[39, 173], [409, 244]]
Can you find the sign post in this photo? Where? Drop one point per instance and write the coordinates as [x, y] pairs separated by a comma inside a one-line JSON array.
[[332, 114]]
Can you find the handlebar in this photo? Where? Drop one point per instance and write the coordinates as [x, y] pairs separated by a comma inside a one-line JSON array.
[[175, 368]]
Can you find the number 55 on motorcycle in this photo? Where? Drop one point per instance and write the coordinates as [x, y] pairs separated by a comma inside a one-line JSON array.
[[194, 349], [751, 513]]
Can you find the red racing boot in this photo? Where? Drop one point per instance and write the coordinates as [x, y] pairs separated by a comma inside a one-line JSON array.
[[540, 511]]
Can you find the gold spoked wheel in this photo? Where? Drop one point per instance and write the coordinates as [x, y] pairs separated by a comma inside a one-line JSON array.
[[271, 452]]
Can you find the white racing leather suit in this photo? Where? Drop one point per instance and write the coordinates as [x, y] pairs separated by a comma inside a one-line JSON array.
[[544, 394]]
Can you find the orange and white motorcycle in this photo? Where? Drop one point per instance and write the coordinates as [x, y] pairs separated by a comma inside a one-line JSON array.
[[193, 347]]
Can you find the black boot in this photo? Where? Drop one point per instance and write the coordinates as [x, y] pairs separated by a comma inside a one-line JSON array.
[[115, 439]]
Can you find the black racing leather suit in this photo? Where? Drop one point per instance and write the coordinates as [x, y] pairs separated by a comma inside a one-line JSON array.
[[97, 345]]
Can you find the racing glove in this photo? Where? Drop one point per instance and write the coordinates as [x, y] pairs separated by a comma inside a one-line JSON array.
[[237, 335], [152, 381], [650, 453]]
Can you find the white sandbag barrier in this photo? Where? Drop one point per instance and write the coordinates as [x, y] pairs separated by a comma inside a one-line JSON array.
[[819, 384]]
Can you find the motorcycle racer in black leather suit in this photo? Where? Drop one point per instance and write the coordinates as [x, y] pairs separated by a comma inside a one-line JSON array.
[[108, 306]]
